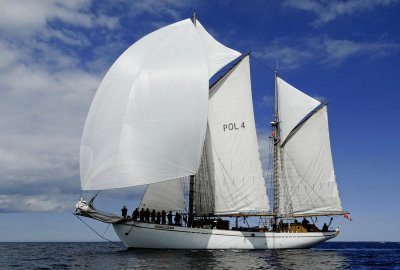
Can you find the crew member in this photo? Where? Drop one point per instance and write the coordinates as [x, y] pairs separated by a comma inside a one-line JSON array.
[[135, 214], [158, 217], [169, 216], [142, 214], [153, 216], [124, 211], [177, 219], [163, 214], [147, 215]]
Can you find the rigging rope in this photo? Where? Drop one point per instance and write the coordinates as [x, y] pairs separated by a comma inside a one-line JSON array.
[[113, 242]]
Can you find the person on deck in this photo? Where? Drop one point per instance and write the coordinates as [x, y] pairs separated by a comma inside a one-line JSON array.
[[304, 223], [153, 216], [158, 219], [124, 211], [135, 214], [169, 216], [177, 219], [142, 214], [325, 228], [147, 215], [163, 214]]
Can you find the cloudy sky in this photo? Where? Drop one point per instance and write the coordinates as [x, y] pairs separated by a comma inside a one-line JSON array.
[[53, 55]]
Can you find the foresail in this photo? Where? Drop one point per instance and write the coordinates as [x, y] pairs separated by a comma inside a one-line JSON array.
[[307, 183], [148, 119], [167, 195], [232, 149]]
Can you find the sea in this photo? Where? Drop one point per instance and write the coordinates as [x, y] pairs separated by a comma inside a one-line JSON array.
[[112, 255]]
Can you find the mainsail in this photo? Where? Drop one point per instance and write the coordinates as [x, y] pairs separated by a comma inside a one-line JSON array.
[[148, 120], [232, 156], [307, 183]]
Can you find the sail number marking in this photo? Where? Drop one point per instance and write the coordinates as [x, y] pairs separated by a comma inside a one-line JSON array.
[[233, 126]]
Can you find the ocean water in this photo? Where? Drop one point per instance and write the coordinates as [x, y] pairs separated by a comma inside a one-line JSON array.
[[105, 255]]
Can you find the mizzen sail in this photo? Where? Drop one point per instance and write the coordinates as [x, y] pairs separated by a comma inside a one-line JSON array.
[[307, 183]]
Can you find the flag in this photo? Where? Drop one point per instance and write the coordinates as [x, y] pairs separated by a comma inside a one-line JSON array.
[[348, 217]]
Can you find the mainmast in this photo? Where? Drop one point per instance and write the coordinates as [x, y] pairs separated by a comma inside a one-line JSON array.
[[275, 137], [192, 179], [194, 17]]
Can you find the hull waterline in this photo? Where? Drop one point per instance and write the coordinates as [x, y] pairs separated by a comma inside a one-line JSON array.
[[147, 235]]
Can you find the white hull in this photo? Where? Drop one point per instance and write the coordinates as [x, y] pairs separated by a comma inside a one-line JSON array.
[[146, 235]]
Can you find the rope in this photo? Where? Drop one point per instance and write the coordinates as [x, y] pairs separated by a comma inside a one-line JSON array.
[[262, 63], [115, 243]]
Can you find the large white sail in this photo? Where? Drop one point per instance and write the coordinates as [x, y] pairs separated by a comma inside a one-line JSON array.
[[232, 149], [204, 187], [307, 183], [293, 106], [167, 195], [148, 119], [218, 55]]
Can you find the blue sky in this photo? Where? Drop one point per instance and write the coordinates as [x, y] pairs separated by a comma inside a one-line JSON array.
[[53, 55]]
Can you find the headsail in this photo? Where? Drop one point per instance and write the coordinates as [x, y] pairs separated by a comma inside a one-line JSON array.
[[232, 153], [218, 55], [148, 119], [307, 183]]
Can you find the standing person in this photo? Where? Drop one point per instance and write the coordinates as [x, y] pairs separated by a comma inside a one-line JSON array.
[[142, 214], [135, 214], [124, 211], [177, 219], [153, 216], [304, 223], [163, 214], [147, 215], [158, 217], [169, 216]]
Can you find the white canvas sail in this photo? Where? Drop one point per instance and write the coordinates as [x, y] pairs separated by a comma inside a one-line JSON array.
[[148, 119], [293, 106], [167, 195], [307, 183], [232, 148], [204, 187], [218, 55]]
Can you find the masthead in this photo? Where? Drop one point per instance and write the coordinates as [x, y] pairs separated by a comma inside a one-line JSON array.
[[194, 17]]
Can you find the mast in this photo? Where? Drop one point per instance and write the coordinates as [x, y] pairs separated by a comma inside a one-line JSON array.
[[194, 17], [192, 178], [275, 137]]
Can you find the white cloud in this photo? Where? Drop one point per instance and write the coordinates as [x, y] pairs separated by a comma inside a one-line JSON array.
[[170, 8], [41, 203], [326, 51], [29, 17], [288, 57], [327, 10], [338, 51], [45, 94]]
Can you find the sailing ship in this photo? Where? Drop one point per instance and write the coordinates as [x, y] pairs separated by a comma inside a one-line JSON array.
[[156, 121]]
